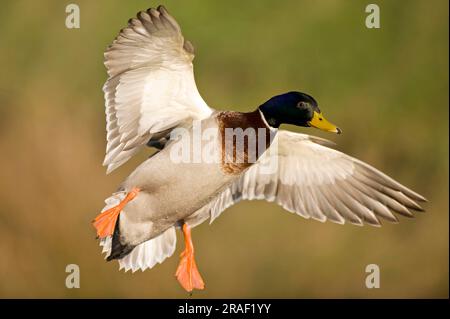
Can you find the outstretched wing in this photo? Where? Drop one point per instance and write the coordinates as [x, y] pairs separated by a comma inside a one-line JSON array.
[[151, 88], [318, 182]]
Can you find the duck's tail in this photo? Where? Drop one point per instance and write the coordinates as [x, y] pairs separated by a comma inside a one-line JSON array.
[[145, 255]]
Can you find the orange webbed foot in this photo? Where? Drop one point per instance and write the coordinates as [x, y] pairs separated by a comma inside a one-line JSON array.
[[187, 272], [106, 221]]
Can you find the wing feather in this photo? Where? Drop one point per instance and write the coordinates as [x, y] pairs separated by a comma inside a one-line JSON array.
[[151, 86], [318, 182]]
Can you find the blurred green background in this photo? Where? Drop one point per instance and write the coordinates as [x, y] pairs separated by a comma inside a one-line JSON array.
[[387, 88]]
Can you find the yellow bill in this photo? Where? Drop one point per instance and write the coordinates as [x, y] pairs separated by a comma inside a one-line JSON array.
[[318, 121]]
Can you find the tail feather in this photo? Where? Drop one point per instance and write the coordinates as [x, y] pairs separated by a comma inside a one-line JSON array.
[[148, 254]]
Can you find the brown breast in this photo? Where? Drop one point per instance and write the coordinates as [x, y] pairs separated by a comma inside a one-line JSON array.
[[244, 138]]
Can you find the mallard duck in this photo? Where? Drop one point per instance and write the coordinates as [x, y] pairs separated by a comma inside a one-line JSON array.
[[151, 95]]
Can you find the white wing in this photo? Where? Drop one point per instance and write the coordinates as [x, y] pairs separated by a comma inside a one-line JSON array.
[[151, 87], [317, 182]]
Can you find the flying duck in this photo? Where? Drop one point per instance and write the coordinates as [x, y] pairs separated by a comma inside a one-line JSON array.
[[152, 100]]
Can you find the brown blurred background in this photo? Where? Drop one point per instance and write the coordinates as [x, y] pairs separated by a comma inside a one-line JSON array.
[[387, 88]]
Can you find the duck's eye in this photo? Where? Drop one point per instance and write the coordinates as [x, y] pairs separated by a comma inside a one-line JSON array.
[[320, 119], [302, 105]]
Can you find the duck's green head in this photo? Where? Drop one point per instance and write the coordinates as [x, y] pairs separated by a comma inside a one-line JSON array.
[[295, 108]]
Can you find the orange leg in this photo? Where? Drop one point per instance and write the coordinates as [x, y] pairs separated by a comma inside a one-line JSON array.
[[106, 221], [187, 272]]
